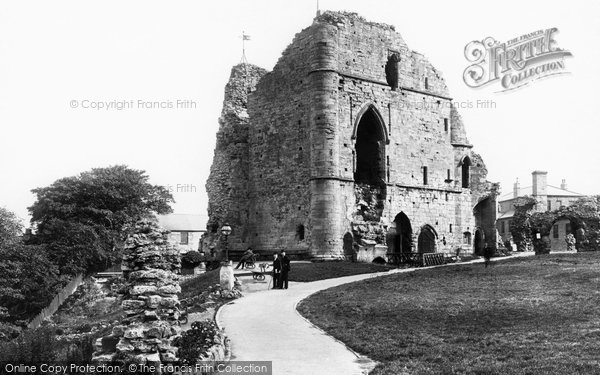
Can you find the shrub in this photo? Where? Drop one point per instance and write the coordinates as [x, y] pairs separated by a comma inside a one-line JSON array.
[[197, 341], [33, 346], [191, 259]]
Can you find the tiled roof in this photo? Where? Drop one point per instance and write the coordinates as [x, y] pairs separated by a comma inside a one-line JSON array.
[[507, 214], [183, 222]]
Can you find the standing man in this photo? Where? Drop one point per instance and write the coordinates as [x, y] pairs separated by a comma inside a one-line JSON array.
[[276, 270], [488, 253], [285, 268]]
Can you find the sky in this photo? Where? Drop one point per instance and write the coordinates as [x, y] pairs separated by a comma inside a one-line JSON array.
[[165, 64]]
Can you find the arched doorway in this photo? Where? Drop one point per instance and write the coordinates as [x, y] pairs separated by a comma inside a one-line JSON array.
[[371, 139], [348, 242], [402, 241], [479, 242], [426, 243]]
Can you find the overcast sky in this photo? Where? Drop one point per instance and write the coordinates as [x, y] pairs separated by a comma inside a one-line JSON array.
[[56, 55]]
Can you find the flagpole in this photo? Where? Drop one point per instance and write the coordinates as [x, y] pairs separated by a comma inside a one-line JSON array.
[[244, 39]]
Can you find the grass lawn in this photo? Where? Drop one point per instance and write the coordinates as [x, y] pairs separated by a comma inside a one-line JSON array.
[[326, 270], [538, 315]]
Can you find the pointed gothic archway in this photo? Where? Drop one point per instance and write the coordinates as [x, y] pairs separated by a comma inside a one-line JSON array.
[[427, 240], [402, 239], [371, 140]]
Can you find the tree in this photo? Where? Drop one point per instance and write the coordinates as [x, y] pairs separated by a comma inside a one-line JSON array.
[[82, 220], [10, 227], [584, 214], [28, 282]]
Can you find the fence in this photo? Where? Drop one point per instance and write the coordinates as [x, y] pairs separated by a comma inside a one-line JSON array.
[[433, 259], [56, 302]]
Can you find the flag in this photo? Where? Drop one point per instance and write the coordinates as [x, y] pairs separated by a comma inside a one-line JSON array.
[[245, 37]]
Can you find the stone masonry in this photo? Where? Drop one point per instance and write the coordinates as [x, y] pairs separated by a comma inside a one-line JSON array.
[[351, 142], [151, 266], [227, 185]]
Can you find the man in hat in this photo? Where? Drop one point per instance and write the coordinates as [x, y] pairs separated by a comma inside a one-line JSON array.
[[285, 268], [276, 270]]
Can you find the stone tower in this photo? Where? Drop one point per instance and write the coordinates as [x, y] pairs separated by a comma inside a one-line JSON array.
[[351, 143]]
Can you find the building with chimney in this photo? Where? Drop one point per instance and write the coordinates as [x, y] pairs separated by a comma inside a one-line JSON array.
[[350, 145], [549, 198]]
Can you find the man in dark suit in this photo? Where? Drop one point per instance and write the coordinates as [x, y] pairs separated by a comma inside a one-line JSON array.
[[276, 270], [285, 268], [488, 253]]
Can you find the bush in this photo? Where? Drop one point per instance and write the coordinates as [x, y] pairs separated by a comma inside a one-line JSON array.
[[34, 346], [197, 341], [191, 259]]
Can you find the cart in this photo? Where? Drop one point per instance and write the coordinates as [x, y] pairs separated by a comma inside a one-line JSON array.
[[260, 273]]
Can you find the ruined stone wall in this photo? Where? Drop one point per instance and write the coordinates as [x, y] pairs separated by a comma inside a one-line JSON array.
[[423, 130], [280, 152], [227, 185], [151, 266], [303, 126]]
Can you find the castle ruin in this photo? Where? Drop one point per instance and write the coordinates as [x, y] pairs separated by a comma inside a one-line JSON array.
[[351, 144]]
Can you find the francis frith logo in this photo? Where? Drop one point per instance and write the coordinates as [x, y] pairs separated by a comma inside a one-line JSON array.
[[515, 63]]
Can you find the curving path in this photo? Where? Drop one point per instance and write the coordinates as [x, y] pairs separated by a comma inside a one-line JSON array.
[[265, 326]]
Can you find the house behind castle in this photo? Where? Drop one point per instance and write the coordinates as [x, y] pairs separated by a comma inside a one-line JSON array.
[[548, 198], [185, 230]]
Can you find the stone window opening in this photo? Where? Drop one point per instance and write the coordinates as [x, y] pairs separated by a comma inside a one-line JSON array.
[[370, 150], [300, 232], [425, 176], [465, 169], [445, 124], [184, 238], [555, 231], [467, 238], [450, 228], [391, 70], [426, 84]]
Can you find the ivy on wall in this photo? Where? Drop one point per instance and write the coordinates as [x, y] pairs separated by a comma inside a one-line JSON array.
[[532, 229]]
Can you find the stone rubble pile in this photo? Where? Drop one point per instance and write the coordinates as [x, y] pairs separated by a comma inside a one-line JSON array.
[[151, 267]]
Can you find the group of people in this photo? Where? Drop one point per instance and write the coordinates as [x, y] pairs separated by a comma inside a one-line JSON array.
[[281, 268]]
